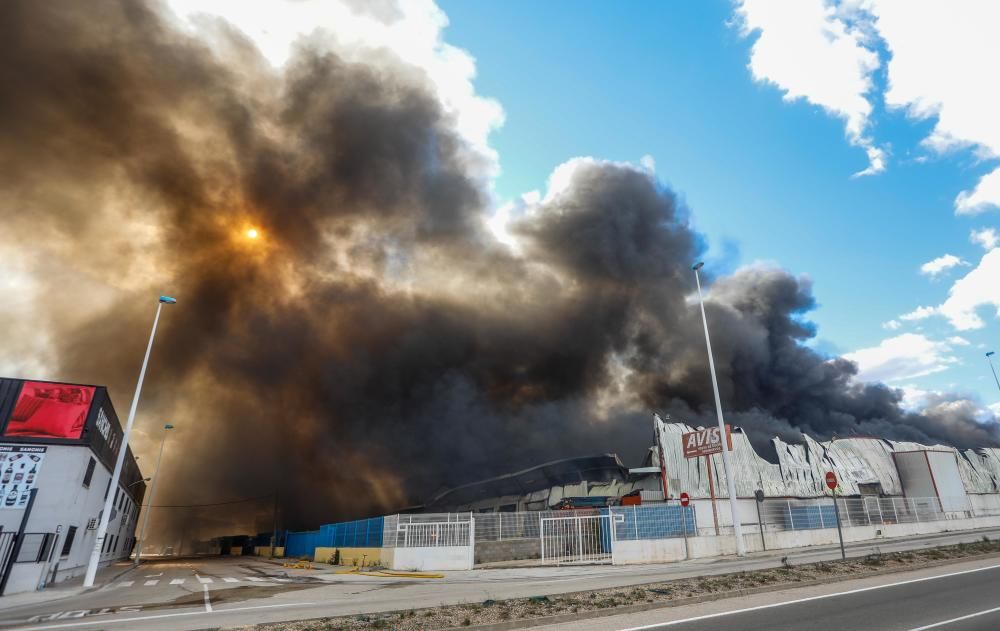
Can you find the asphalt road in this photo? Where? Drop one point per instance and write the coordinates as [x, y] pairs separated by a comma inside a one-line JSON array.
[[945, 600], [220, 592]]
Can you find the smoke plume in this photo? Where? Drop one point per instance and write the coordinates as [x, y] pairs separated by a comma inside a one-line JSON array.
[[377, 340]]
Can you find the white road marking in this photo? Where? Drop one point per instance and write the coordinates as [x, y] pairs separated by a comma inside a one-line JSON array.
[[231, 580], [126, 584], [105, 621], [254, 579], [734, 612], [178, 581], [154, 575], [208, 603], [959, 619], [152, 582], [204, 579]]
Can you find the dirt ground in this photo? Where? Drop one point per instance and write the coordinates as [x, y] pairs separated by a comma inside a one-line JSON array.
[[490, 612]]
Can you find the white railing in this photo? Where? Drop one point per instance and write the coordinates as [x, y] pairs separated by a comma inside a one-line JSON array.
[[577, 539], [433, 534]]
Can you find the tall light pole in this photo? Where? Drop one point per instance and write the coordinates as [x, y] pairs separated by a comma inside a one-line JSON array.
[[102, 528], [152, 491], [726, 462], [989, 358]]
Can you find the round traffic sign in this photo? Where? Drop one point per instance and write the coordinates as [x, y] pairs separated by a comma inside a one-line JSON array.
[[685, 499], [831, 480]]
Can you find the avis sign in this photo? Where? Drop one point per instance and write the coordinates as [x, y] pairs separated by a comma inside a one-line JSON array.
[[705, 442]]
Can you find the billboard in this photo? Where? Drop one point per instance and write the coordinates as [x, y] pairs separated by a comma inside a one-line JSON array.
[[50, 410], [20, 466], [705, 442]]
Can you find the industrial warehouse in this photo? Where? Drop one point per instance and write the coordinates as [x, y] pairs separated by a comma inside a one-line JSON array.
[[675, 507]]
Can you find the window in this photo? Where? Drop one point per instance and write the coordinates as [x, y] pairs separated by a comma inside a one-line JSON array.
[[70, 535], [87, 477]]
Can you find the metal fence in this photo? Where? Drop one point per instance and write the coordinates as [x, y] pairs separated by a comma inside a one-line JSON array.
[[854, 511], [576, 538], [433, 534]]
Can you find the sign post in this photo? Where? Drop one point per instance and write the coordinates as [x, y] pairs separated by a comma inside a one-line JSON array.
[[759, 496], [685, 500], [705, 442], [831, 481]]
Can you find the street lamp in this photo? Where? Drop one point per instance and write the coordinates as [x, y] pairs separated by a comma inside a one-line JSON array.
[[137, 482], [102, 528], [989, 358], [726, 463], [152, 490]]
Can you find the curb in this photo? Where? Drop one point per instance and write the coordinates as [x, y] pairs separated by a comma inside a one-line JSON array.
[[528, 623]]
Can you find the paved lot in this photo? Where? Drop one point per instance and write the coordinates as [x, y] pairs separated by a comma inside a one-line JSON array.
[[200, 593]]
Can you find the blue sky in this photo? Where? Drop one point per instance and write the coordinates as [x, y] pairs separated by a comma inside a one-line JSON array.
[[766, 178]]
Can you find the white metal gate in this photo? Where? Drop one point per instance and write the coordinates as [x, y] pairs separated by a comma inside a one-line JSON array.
[[577, 539]]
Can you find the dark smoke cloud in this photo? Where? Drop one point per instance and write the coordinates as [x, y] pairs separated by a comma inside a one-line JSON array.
[[376, 342]]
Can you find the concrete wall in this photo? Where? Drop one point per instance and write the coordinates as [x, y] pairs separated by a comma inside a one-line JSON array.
[[24, 577], [358, 557], [63, 501], [508, 550], [265, 551], [434, 558]]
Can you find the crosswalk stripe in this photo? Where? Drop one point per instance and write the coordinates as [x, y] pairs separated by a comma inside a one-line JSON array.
[[152, 582], [178, 581], [126, 584], [231, 580], [204, 579], [255, 579]]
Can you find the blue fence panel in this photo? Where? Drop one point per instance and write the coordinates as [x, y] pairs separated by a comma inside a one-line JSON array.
[[653, 522], [809, 517], [299, 544]]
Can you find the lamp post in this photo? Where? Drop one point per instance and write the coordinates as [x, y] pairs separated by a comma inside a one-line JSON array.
[[726, 463], [152, 491], [102, 528], [989, 358]]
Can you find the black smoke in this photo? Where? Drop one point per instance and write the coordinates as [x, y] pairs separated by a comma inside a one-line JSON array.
[[377, 341]]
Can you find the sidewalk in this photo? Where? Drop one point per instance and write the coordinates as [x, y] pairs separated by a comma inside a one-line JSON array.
[[68, 588]]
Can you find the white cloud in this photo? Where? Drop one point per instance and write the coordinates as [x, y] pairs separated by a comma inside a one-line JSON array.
[[905, 356], [648, 162], [813, 51], [892, 325], [356, 31], [986, 194], [958, 340], [978, 288], [920, 313], [987, 238], [941, 65], [941, 264]]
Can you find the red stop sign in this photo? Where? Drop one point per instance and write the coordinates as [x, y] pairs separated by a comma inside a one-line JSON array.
[[685, 499], [831, 480]]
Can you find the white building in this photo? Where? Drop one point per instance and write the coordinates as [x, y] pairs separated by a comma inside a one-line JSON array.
[[58, 445]]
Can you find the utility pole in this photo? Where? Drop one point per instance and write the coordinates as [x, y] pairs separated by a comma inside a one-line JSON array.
[[726, 462]]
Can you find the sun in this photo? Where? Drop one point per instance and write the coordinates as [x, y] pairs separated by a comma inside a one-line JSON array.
[[252, 233]]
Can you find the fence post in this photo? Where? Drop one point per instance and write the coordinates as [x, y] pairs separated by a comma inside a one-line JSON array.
[[472, 541], [635, 520], [822, 523], [791, 517], [916, 509], [500, 526], [579, 535]]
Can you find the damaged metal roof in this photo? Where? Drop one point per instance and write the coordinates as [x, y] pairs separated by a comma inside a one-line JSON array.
[[801, 468]]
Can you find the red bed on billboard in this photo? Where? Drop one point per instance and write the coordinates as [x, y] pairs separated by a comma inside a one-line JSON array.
[[50, 410]]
